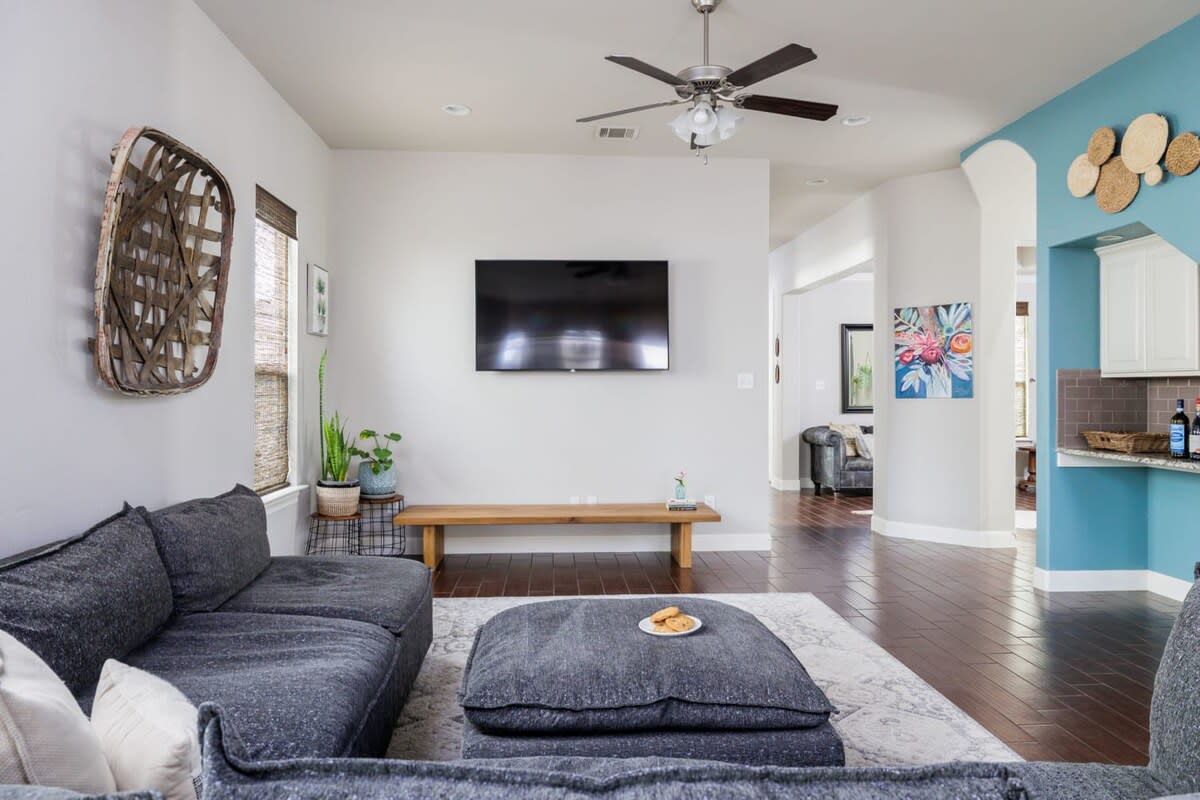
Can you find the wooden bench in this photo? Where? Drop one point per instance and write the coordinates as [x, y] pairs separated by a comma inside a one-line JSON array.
[[434, 520]]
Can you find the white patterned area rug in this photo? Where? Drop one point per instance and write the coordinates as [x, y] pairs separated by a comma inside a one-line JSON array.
[[887, 716]]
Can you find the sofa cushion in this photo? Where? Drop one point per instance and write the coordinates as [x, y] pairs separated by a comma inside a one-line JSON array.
[[583, 665], [82, 601], [1062, 781], [295, 686], [1175, 705], [818, 746], [212, 546], [859, 464], [228, 775], [385, 591]]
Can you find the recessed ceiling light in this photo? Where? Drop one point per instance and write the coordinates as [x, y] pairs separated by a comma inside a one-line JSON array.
[[816, 181], [1109, 237], [856, 121], [456, 110]]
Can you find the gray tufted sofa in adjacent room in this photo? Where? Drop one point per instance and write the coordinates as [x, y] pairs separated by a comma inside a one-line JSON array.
[[831, 467]]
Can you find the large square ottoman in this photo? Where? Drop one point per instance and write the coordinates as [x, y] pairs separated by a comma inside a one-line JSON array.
[[578, 678]]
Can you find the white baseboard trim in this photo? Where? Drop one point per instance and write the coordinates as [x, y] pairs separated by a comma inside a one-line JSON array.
[[462, 542], [791, 485], [1110, 580], [933, 533]]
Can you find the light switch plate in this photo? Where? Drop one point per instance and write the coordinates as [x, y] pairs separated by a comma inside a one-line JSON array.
[[710, 500], [745, 380]]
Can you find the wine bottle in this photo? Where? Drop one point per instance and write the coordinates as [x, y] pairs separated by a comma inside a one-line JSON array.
[[1179, 432], [1195, 448]]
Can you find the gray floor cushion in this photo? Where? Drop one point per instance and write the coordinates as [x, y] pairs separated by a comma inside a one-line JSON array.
[[79, 602], [801, 747], [384, 591], [1175, 707], [228, 776], [294, 686], [583, 666], [1043, 779]]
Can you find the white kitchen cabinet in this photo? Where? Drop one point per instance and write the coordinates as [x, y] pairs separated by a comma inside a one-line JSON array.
[[1149, 309]]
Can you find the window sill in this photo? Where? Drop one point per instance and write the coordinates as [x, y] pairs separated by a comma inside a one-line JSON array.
[[283, 498]]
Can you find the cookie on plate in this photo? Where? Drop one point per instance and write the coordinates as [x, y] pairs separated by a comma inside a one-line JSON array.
[[665, 614], [680, 623]]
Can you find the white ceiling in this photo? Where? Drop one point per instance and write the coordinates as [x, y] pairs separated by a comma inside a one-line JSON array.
[[935, 75]]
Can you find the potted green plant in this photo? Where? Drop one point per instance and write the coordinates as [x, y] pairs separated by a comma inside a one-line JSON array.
[[377, 470], [336, 496]]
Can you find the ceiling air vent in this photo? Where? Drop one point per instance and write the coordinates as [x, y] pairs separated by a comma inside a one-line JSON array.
[[609, 132]]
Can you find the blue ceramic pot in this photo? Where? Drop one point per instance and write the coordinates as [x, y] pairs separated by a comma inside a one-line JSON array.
[[376, 485]]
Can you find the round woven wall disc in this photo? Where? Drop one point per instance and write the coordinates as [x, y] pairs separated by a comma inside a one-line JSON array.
[[1145, 142], [1101, 146], [1082, 176], [1183, 156], [1154, 175], [1117, 186]]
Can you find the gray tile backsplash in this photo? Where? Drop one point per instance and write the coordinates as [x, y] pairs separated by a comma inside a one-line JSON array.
[[1087, 402]]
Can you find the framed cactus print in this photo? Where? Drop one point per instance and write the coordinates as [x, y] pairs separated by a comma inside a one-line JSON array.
[[318, 300], [934, 351]]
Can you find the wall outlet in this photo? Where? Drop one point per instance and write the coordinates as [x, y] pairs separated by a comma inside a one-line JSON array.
[[574, 499], [591, 499], [710, 500], [745, 380], [820, 386]]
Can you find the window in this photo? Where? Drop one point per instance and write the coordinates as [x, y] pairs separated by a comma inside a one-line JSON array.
[[1022, 354], [274, 404]]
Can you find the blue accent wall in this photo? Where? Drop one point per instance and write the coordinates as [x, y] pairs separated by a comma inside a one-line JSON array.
[[1104, 518]]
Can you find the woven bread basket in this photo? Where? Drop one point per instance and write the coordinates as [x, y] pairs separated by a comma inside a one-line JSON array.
[[1137, 442]]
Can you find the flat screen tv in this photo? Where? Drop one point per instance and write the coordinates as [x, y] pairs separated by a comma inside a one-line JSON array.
[[570, 315]]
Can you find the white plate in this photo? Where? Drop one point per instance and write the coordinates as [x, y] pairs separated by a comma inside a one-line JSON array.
[[646, 626]]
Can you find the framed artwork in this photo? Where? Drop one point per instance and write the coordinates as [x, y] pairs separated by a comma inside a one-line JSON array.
[[934, 351], [318, 300], [858, 345]]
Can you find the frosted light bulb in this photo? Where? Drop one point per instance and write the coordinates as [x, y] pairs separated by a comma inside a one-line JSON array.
[[728, 121], [703, 118], [681, 126]]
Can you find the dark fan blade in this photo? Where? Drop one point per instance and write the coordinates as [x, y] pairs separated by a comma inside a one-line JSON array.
[[629, 110], [783, 105], [783, 59], [637, 65]]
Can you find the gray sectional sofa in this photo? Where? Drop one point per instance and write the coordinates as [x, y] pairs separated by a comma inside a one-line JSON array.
[[290, 687], [307, 656]]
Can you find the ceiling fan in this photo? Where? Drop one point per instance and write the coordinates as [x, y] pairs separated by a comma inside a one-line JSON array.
[[714, 92]]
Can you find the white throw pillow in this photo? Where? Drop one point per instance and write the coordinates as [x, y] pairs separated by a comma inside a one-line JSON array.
[[147, 729], [850, 433], [866, 445], [45, 739]]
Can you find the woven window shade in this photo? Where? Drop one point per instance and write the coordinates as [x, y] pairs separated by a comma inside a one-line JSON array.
[[273, 211], [271, 273]]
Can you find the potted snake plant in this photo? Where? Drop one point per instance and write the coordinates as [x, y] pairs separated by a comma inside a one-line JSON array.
[[336, 496], [377, 469]]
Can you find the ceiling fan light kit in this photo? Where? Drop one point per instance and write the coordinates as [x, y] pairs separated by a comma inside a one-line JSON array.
[[714, 94]]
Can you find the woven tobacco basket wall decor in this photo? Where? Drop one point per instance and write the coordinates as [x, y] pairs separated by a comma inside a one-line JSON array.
[[163, 266]]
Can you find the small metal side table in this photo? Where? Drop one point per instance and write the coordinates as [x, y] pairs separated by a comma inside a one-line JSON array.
[[378, 535], [329, 536]]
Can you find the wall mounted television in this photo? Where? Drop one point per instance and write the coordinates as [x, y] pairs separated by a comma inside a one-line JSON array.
[[571, 315]]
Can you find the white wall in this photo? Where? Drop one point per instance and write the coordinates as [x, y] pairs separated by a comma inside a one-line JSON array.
[[812, 357], [921, 235], [77, 74], [407, 228]]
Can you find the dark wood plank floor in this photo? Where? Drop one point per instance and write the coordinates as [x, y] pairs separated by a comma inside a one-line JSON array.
[[1057, 677]]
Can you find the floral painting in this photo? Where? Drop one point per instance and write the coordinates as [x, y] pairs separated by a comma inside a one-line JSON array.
[[935, 351]]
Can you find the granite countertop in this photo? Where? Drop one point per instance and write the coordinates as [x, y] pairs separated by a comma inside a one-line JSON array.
[[1135, 459]]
